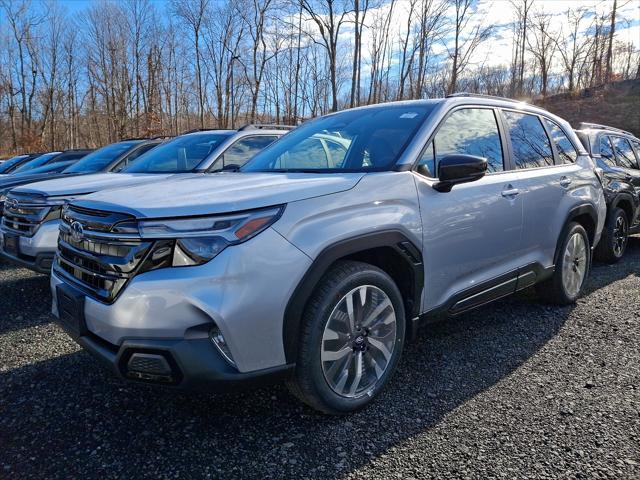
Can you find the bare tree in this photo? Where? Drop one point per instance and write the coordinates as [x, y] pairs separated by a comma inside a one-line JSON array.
[[612, 32], [542, 44], [571, 47], [193, 13], [467, 38], [329, 17]]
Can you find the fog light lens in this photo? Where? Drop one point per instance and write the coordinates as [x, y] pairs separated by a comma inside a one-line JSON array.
[[221, 344]]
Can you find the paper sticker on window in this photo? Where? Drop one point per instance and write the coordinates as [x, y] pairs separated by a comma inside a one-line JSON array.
[[409, 115]]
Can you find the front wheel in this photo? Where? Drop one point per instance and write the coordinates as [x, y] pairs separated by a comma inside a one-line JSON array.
[[353, 332], [571, 269]]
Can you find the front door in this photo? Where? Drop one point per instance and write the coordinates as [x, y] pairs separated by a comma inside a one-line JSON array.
[[471, 235]]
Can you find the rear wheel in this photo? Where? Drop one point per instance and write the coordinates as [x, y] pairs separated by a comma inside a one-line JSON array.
[[615, 237], [352, 338], [571, 269]]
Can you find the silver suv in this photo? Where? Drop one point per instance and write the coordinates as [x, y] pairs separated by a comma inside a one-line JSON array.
[[317, 260], [29, 229]]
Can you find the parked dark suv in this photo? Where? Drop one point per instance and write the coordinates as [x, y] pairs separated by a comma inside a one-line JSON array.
[[617, 154]]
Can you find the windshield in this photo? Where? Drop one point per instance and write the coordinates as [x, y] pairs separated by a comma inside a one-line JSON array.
[[100, 159], [182, 154], [8, 164], [362, 140], [37, 162]]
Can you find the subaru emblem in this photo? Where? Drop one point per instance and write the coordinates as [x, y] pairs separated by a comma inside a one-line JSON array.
[[12, 203], [77, 233]]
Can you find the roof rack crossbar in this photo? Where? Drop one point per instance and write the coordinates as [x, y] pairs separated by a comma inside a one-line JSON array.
[[259, 126], [603, 127], [194, 130]]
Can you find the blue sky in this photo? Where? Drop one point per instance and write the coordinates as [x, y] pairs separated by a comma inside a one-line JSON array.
[[499, 13]]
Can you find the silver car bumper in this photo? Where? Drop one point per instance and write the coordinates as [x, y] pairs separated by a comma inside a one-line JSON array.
[[244, 291]]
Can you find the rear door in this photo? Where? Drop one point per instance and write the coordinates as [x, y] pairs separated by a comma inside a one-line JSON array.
[[471, 235], [548, 176]]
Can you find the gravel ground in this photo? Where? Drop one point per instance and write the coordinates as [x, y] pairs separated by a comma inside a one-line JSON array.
[[513, 390]]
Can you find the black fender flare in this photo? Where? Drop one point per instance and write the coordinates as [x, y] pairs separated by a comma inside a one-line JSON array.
[[361, 243], [625, 196]]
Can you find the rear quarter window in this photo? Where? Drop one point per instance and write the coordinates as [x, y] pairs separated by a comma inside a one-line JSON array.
[[566, 151]]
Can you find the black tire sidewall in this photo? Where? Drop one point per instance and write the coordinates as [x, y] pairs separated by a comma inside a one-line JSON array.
[[312, 365]]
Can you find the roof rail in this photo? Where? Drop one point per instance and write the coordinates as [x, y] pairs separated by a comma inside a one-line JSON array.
[[265, 126], [155, 137], [587, 125], [194, 130], [481, 95]]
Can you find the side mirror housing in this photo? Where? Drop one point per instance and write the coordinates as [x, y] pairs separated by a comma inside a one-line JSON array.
[[455, 169]]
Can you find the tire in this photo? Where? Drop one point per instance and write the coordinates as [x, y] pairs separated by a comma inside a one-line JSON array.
[[615, 237], [326, 333], [558, 289]]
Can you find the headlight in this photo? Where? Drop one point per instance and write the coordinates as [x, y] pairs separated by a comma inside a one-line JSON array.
[[199, 239], [3, 195], [55, 213]]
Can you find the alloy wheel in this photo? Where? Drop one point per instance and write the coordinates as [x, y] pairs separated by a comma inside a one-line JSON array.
[[574, 267], [620, 236], [358, 341]]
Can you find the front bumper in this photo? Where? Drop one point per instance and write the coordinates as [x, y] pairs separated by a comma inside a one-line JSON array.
[[36, 253], [193, 364], [174, 309]]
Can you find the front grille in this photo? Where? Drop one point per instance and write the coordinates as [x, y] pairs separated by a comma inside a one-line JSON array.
[[23, 215], [99, 260]]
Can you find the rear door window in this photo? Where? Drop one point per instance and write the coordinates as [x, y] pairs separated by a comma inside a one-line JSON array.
[[336, 150], [530, 144], [133, 156], [636, 146], [243, 150], [624, 153], [566, 151], [606, 151]]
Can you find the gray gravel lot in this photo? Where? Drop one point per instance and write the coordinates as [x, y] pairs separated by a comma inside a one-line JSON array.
[[513, 390]]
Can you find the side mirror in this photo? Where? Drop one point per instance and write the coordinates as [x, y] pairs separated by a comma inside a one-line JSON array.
[[455, 169]]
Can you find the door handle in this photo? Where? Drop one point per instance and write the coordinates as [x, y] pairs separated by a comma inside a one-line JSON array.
[[565, 182], [510, 192]]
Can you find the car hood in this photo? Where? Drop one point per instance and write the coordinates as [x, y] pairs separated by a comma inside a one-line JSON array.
[[203, 194], [11, 181], [85, 184]]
